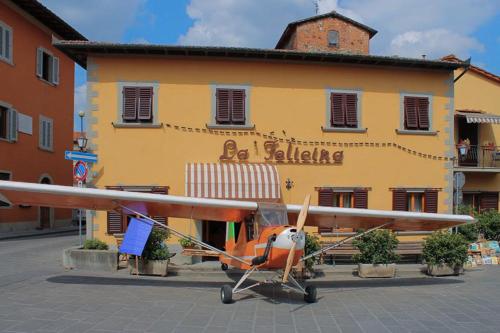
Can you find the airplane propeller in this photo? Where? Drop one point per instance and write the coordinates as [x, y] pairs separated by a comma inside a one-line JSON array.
[[301, 221]]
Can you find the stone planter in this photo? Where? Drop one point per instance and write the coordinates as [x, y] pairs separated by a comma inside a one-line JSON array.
[[92, 260], [376, 270], [444, 270], [150, 267]]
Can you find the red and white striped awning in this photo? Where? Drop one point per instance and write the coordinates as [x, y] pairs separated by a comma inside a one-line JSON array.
[[232, 181], [479, 118]]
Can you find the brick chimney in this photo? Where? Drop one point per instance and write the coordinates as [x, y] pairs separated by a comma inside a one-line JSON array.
[[330, 32]]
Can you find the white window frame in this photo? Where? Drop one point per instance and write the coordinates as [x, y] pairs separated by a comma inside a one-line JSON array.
[[9, 57], [42, 135], [12, 123], [53, 78]]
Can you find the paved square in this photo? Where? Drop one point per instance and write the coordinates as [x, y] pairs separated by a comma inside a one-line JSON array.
[[37, 295]]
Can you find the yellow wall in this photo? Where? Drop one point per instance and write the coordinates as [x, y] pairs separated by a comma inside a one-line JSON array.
[[476, 92], [283, 97]]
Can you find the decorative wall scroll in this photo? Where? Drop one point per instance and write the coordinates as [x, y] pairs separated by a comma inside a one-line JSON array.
[[275, 154]]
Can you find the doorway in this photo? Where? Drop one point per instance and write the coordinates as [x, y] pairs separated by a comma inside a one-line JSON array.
[[214, 233], [468, 131], [45, 212]]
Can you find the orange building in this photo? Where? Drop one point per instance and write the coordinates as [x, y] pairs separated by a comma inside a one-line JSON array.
[[36, 107]]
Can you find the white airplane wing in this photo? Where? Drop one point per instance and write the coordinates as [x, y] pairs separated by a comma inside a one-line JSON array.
[[19, 193]]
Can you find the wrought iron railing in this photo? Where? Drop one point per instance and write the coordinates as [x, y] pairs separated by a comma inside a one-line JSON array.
[[478, 156]]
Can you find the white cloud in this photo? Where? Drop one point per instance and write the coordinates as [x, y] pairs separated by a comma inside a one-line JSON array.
[[104, 20], [80, 103], [434, 43], [409, 27]]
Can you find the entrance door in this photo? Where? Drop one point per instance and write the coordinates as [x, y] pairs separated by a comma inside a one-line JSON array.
[[468, 131], [45, 212], [214, 233]]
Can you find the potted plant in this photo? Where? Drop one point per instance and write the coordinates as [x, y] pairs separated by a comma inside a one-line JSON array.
[[94, 255], [377, 255], [312, 245], [445, 253], [155, 257], [187, 243]]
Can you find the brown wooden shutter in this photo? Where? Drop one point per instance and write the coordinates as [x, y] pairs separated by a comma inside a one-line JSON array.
[[423, 113], [360, 198], [351, 109], [337, 114], [431, 201], [114, 224], [325, 197], [399, 200], [238, 106], [222, 113], [488, 200], [145, 103], [129, 111], [410, 105]]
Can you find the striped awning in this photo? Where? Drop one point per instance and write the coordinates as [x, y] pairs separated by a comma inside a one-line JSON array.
[[480, 117], [232, 181]]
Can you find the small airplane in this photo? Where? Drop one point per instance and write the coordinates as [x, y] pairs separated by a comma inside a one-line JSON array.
[[270, 236]]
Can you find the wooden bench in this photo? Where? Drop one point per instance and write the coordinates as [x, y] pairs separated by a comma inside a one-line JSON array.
[[344, 253], [199, 252]]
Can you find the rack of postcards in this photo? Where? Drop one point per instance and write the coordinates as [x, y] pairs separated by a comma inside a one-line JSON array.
[[483, 253]]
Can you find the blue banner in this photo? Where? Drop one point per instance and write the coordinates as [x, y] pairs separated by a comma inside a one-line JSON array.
[[136, 236]]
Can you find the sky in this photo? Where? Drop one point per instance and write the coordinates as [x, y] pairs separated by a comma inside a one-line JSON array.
[[466, 28]]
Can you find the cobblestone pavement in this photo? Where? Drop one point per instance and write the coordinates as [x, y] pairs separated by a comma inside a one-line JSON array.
[[37, 295]]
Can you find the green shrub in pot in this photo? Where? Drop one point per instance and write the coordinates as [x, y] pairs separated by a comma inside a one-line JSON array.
[[377, 255], [445, 253]]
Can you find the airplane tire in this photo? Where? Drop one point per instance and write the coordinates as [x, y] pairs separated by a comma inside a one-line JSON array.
[[224, 266], [226, 294], [311, 295]]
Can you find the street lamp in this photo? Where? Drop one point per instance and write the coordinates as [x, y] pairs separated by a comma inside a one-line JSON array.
[[82, 140]]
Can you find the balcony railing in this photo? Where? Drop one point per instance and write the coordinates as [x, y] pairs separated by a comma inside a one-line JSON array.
[[478, 156]]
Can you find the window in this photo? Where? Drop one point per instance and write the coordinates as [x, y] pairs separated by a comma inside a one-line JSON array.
[[8, 124], [415, 200], [4, 175], [137, 104], [230, 107], [5, 42], [46, 133], [117, 223], [481, 201], [343, 110], [416, 113], [47, 66], [333, 38], [342, 197]]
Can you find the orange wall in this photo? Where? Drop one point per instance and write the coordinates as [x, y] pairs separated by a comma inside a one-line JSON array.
[[20, 87]]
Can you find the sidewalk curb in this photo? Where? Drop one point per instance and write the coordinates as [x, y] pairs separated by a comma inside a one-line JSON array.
[[40, 233]]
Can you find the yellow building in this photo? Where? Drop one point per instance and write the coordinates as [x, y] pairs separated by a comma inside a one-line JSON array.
[[353, 130], [477, 135]]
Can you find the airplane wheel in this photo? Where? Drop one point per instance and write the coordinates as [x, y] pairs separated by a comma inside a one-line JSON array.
[[310, 297], [224, 266], [226, 294]]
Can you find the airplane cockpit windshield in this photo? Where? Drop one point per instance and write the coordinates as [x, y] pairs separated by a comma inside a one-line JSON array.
[[271, 215]]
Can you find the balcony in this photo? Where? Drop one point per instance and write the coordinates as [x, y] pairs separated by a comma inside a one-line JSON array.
[[473, 158]]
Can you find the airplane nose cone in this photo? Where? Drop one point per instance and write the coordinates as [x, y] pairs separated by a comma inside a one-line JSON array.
[[286, 238]]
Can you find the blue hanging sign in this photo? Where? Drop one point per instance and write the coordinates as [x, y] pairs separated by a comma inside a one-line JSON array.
[[136, 236]]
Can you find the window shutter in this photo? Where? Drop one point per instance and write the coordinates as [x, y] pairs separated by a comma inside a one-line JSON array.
[[399, 201], [145, 103], [12, 121], [39, 62], [325, 197], [8, 44], [2, 43], [55, 70], [115, 225], [351, 109], [488, 200], [337, 113], [423, 113], [49, 135], [129, 111], [410, 105], [238, 106], [360, 198], [431, 201], [42, 133], [222, 108]]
